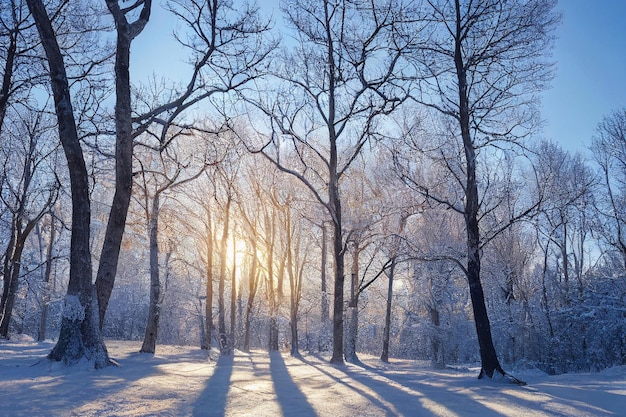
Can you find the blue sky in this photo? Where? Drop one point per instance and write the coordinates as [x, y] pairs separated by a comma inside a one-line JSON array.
[[590, 80], [590, 53]]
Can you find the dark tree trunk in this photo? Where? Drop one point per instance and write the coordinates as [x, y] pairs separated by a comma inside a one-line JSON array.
[[323, 342], [295, 288], [80, 331], [489, 359], [11, 278], [109, 257], [338, 253], [386, 332], [154, 309]]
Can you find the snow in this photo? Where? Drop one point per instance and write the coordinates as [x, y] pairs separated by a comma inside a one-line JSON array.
[[183, 381], [73, 310]]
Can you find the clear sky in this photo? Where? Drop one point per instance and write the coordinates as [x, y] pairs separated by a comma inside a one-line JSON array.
[[590, 53], [590, 80]]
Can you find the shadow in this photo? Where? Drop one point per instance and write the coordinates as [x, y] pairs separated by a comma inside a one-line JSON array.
[[59, 388], [212, 400], [363, 393], [588, 398], [414, 397], [291, 400]]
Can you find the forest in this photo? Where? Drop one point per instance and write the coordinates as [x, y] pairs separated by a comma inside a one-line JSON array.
[[341, 176]]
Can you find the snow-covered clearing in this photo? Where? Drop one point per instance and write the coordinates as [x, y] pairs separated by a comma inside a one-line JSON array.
[[182, 381]]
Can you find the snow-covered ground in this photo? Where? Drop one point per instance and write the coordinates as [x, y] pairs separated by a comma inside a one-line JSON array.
[[182, 381]]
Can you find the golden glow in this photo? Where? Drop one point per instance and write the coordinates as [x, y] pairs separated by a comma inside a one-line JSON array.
[[235, 254]]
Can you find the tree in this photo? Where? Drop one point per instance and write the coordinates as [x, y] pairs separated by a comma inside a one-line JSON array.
[[337, 82], [126, 31], [564, 219], [480, 68], [609, 152], [29, 197], [227, 52], [163, 172], [15, 25], [80, 332]]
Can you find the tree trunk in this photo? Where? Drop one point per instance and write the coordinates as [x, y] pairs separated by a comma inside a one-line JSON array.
[[233, 296], [437, 357], [386, 332], [13, 285], [208, 306], [270, 226], [295, 288], [353, 309], [489, 359], [221, 312], [252, 288], [203, 338], [325, 310], [337, 357], [80, 332], [41, 335], [109, 256], [7, 77], [154, 309], [324, 337]]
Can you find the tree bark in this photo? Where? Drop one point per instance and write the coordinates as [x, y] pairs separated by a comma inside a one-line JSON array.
[[353, 309], [489, 359], [386, 332], [116, 224], [208, 306], [41, 335], [154, 308], [270, 226], [338, 251], [7, 77], [80, 332], [221, 312], [233, 296], [252, 288]]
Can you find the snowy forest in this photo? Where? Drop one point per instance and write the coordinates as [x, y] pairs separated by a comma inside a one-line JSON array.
[[348, 177]]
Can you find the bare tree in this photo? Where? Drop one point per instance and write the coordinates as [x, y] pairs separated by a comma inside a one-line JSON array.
[[337, 82], [26, 200], [162, 172], [609, 152], [227, 51], [15, 27], [480, 68], [80, 332], [127, 30]]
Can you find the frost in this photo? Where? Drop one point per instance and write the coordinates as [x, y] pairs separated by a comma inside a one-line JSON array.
[[73, 310]]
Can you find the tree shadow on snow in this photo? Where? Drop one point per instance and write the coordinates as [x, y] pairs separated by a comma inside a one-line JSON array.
[[292, 401], [370, 394], [212, 401]]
